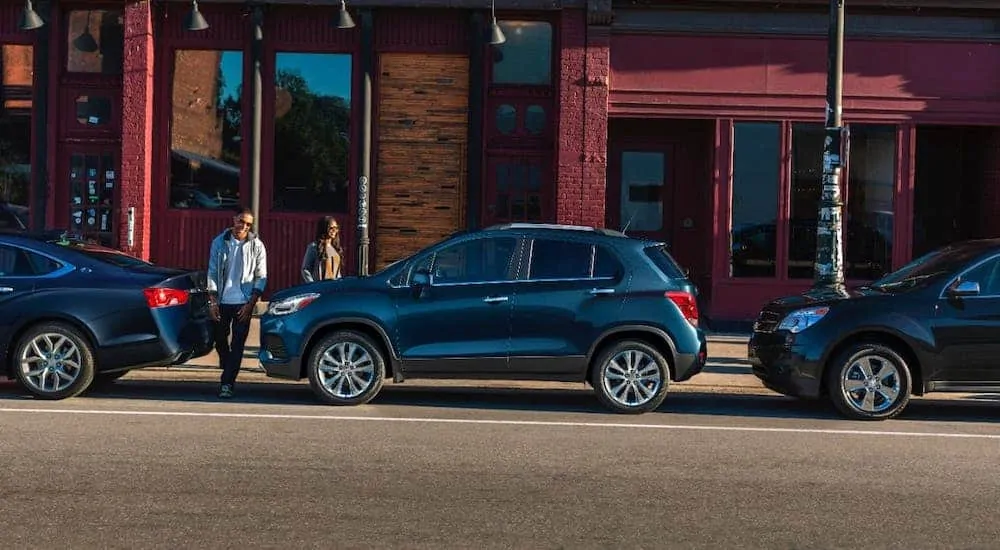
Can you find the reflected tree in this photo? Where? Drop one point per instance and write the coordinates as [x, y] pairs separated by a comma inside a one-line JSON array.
[[310, 138]]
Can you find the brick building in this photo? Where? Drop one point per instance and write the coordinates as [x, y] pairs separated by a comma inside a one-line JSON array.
[[698, 122]]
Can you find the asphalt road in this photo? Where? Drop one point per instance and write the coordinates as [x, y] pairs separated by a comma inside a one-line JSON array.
[[152, 464]]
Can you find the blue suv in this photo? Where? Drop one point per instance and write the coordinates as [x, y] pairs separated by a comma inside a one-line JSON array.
[[513, 302]]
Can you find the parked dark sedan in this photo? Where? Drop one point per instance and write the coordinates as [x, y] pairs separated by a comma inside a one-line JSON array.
[[72, 312], [520, 301], [931, 326]]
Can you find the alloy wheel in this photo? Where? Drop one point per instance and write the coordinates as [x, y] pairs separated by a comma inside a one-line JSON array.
[[632, 378], [50, 362], [871, 384], [346, 370]]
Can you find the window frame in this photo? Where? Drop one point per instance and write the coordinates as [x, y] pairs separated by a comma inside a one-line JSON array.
[[267, 173], [63, 268], [785, 174]]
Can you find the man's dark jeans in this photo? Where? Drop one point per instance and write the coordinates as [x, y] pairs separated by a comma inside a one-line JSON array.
[[230, 352]]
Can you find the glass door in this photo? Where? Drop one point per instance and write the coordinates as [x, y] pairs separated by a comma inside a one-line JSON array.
[[93, 184]]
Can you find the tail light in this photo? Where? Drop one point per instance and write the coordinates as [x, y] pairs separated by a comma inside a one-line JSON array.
[[685, 301], [165, 297]]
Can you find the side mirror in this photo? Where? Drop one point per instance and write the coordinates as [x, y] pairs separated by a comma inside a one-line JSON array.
[[420, 279], [965, 288]]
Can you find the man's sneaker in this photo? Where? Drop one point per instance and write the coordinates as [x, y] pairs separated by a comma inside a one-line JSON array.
[[226, 391]]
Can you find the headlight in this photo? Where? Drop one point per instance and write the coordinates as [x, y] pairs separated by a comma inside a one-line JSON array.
[[799, 320], [291, 305]]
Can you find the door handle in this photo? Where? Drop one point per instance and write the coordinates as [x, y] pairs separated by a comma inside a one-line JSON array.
[[599, 291], [5, 289], [495, 299]]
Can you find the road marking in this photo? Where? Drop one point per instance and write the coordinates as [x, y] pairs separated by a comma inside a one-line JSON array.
[[543, 423]]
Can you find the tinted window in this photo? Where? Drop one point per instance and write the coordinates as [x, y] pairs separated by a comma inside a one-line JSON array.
[[553, 259], [606, 265], [665, 262], [476, 261], [17, 262], [939, 263]]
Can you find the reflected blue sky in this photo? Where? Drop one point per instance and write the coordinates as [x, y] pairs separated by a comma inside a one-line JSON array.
[[326, 73]]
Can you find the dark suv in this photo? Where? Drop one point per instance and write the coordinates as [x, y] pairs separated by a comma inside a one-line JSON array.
[[517, 301]]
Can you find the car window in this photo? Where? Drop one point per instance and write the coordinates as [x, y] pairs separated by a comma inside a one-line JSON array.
[[104, 255], [987, 274], [606, 265], [17, 262], [475, 261], [558, 259], [665, 262]]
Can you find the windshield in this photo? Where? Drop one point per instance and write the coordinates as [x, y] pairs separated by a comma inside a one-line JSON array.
[[943, 261]]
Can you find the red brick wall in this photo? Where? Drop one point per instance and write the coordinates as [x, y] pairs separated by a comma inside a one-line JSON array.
[[583, 120], [137, 127]]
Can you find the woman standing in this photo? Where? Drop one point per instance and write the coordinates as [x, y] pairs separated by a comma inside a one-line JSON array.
[[323, 256]]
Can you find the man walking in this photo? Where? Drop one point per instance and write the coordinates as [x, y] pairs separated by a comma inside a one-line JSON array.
[[237, 275]]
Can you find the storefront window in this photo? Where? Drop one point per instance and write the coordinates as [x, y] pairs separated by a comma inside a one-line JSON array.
[[526, 57], [312, 112], [756, 165], [16, 65], [807, 186], [871, 183], [205, 129], [95, 41]]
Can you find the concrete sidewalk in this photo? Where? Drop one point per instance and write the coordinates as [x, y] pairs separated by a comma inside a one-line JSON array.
[[727, 368]]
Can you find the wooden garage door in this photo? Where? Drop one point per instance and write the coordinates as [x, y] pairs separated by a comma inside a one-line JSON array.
[[421, 175]]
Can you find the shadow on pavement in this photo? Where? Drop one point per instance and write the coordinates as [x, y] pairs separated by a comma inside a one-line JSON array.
[[981, 408]]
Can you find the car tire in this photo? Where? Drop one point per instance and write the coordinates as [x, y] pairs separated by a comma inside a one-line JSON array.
[[631, 368], [53, 361], [346, 368], [869, 381]]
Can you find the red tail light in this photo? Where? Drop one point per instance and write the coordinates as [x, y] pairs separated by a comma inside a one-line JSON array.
[[165, 297], [685, 301]]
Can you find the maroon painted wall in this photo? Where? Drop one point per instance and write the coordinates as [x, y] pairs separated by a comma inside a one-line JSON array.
[[775, 77]]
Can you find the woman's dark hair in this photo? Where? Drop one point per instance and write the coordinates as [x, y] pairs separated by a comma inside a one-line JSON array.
[[322, 232]]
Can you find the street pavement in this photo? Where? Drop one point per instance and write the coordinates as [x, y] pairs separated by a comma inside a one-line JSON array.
[[162, 463]]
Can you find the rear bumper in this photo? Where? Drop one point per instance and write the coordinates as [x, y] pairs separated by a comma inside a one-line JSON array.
[[687, 365], [195, 340]]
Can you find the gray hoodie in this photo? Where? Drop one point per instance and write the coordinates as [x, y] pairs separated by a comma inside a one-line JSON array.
[[254, 277]]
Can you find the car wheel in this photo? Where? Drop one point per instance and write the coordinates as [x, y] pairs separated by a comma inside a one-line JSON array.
[[53, 361], [869, 381], [346, 368], [631, 377]]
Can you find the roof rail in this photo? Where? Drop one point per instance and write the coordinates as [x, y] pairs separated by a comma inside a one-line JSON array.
[[556, 226]]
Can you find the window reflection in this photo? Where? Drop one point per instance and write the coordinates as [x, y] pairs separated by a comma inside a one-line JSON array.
[[870, 185], [15, 136], [526, 56], [95, 41], [312, 104], [518, 186], [756, 164], [205, 129], [807, 186]]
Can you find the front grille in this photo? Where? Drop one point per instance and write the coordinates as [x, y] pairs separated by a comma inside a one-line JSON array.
[[276, 346], [767, 321]]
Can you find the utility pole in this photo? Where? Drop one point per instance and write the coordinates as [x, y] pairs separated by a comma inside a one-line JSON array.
[[830, 226]]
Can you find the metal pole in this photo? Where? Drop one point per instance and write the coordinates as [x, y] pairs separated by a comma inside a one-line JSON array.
[[830, 229], [364, 168], [257, 54], [40, 120]]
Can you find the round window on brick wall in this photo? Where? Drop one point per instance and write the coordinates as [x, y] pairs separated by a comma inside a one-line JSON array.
[[506, 119], [534, 119]]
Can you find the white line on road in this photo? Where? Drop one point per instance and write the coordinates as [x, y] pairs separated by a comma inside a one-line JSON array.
[[548, 423]]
